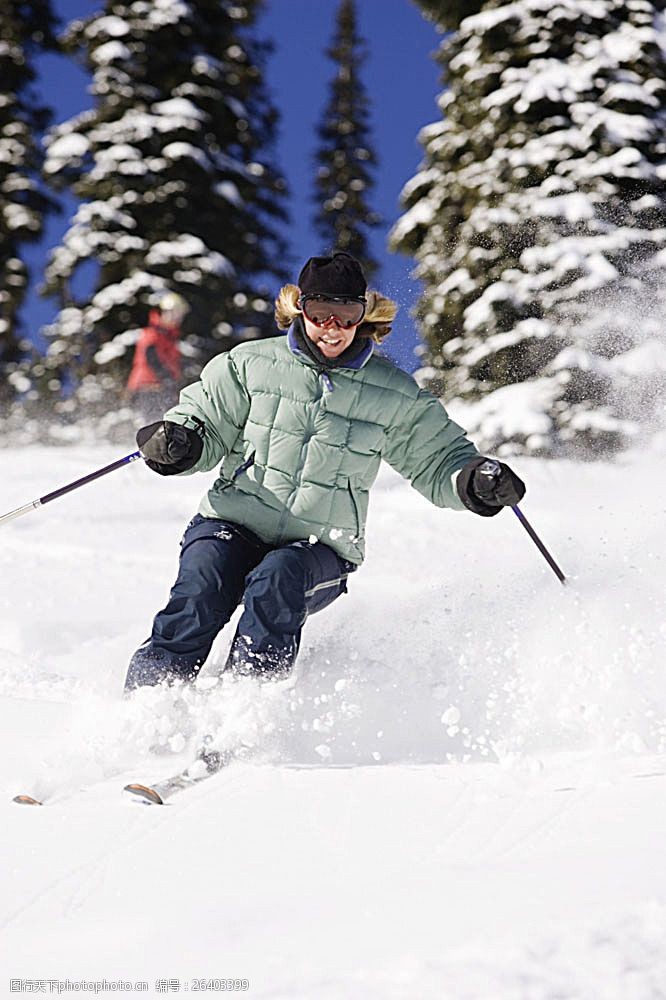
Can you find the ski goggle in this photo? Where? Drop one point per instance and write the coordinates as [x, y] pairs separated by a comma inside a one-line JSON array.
[[321, 308]]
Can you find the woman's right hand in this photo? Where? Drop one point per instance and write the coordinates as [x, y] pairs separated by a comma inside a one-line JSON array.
[[169, 448]]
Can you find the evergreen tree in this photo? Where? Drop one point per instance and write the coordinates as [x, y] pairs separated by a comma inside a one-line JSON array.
[[172, 166], [539, 223], [447, 15], [345, 157], [26, 27]]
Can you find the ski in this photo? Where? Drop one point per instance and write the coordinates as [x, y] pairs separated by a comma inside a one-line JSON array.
[[208, 762]]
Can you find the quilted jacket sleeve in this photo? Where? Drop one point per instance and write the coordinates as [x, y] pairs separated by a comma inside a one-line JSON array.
[[216, 407], [425, 446]]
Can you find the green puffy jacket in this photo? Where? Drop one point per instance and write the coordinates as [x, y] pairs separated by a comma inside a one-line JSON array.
[[300, 447]]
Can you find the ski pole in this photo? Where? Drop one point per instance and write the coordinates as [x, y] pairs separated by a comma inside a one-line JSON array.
[[492, 470], [70, 486]]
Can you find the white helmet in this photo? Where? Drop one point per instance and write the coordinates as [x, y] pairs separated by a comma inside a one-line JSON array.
[[174, 303]]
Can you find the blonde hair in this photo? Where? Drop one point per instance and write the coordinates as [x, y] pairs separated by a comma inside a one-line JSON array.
[[379, 313]]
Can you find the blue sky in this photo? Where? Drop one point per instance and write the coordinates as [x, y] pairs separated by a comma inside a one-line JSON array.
[[402, 82]]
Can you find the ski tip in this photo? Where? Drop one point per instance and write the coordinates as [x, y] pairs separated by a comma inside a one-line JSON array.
[[26, 800], [146, 793]]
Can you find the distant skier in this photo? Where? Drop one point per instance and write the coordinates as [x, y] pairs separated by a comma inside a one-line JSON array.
[[157, 368], [300, 425]]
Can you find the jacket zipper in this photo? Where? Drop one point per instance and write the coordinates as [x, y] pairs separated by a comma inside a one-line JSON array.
[[239, 471], [285, 513]]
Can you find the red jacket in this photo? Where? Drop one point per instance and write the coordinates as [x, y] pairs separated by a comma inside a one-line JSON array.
[[157, 358]]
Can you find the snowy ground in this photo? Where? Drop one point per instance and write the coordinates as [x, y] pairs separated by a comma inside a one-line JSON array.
[[459, 794]]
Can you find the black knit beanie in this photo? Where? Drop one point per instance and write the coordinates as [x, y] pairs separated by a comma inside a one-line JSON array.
[[340, 274]]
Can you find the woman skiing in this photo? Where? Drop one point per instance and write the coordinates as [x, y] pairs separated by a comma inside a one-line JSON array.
[[300, 425]]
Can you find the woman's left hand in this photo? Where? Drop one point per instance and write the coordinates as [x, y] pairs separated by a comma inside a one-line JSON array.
[[485, 486]]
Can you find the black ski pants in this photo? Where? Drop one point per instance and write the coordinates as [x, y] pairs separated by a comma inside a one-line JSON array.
[[221, 565]]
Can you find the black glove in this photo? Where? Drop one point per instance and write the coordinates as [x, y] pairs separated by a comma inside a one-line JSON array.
[[485, 486], [169, 448]]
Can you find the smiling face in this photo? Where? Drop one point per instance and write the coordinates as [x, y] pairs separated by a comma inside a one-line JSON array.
[[331, 338]]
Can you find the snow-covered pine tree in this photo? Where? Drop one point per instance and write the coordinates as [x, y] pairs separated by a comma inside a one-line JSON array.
[[173, 169], [538, 221], [26, 27], [447, 15], [345, 158]]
